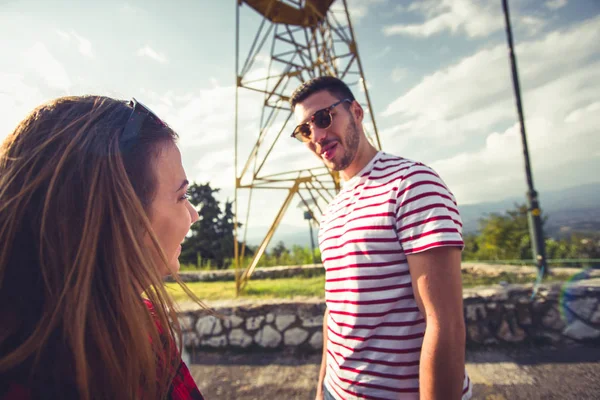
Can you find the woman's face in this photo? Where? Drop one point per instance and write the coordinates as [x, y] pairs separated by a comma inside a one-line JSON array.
[[171, 214]]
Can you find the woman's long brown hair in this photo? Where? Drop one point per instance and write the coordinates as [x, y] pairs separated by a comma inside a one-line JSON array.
[[73, 259]]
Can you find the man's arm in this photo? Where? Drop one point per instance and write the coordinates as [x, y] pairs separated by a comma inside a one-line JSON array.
[[319, 395], [437, 285]]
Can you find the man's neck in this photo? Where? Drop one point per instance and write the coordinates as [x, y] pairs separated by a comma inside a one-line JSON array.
[[363, 157]]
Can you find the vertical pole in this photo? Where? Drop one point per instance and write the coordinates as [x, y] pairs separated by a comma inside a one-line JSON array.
[[309, 217], [533, 206], [236, 249]]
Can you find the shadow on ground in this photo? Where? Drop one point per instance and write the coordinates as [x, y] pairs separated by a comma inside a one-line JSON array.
[[499, 374]]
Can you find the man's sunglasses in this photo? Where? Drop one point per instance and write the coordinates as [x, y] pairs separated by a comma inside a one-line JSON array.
[[132, 129], [321, 119]]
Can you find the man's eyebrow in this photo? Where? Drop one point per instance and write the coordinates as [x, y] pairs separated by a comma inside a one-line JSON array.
[[183, 184]]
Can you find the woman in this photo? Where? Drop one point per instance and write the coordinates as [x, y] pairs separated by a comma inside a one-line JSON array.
[[93, 210]]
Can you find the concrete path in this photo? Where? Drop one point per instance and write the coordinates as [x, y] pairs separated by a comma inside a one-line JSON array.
[[527, 374]]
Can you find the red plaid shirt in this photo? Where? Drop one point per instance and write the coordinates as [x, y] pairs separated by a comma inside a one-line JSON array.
[[182, 387]]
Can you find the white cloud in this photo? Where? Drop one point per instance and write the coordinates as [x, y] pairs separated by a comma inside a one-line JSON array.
[[64, 35], [496, 171], [476, 93], [16, 100], [127, 8], [398, 74], [39, 60], [383, 52], [475, 19], [555, 4], [584, 112], [530, 24], [468, 101], [84, 45], [358, 9], [149, 52]]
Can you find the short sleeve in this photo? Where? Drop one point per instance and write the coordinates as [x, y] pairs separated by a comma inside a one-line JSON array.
[[427, 215]]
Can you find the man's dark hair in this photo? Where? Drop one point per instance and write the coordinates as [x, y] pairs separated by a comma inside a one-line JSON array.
[[333, 85]]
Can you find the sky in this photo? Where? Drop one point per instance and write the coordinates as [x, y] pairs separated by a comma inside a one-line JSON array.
[[437, 72]]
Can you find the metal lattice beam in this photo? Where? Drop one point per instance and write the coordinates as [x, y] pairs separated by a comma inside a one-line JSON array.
[[307, 38]]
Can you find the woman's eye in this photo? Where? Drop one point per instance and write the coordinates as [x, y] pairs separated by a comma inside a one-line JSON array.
[[185, 196]]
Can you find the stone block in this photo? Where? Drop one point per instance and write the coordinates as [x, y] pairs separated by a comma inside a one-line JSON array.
[[295, 336], [510, 333], [553, 320], [312, 322], [270, 318], [268, 337], [283, 321], [208, 326], [316, 340], [550, 337], [237, 337], [541, 305], [215, 341], [186, 322], [473, 333], [190, 339], [232, 321], [595, 318], [523, 313], [500, 296], [580, 331], [573, 290], [475, 312], [495, 315], [253, 323], [583, 307]]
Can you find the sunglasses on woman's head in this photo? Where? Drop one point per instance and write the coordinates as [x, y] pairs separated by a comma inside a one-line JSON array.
[[134, 124], [321, 119]]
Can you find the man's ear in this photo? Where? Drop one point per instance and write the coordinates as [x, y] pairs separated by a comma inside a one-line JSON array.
[[357, 112]]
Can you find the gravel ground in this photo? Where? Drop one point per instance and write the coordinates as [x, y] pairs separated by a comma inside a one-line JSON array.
[[527, 374]]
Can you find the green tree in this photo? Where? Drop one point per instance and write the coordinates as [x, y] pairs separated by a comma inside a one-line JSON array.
[[279, 250], [504, 236], [211, 239]]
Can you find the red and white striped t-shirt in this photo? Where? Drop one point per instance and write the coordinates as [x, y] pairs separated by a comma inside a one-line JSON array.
[[391, 208]]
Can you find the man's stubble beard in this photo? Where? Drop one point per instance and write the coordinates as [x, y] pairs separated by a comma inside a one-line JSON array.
[[352, 140]]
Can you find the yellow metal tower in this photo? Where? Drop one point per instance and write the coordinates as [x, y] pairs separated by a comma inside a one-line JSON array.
[[307, 38]]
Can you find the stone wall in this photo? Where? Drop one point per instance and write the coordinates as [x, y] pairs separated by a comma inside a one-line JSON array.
[[256, 326], [559, 315]]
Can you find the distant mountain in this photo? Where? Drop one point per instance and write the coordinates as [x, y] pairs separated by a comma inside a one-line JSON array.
[[572, 209], [575, 208]]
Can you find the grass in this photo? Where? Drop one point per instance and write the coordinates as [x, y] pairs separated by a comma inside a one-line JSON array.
[[259, 289], [288, 288]]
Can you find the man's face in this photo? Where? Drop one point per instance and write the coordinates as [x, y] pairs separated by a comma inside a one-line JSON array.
[[337, 144]]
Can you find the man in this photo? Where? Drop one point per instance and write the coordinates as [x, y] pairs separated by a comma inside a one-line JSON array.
[[391, 247]]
